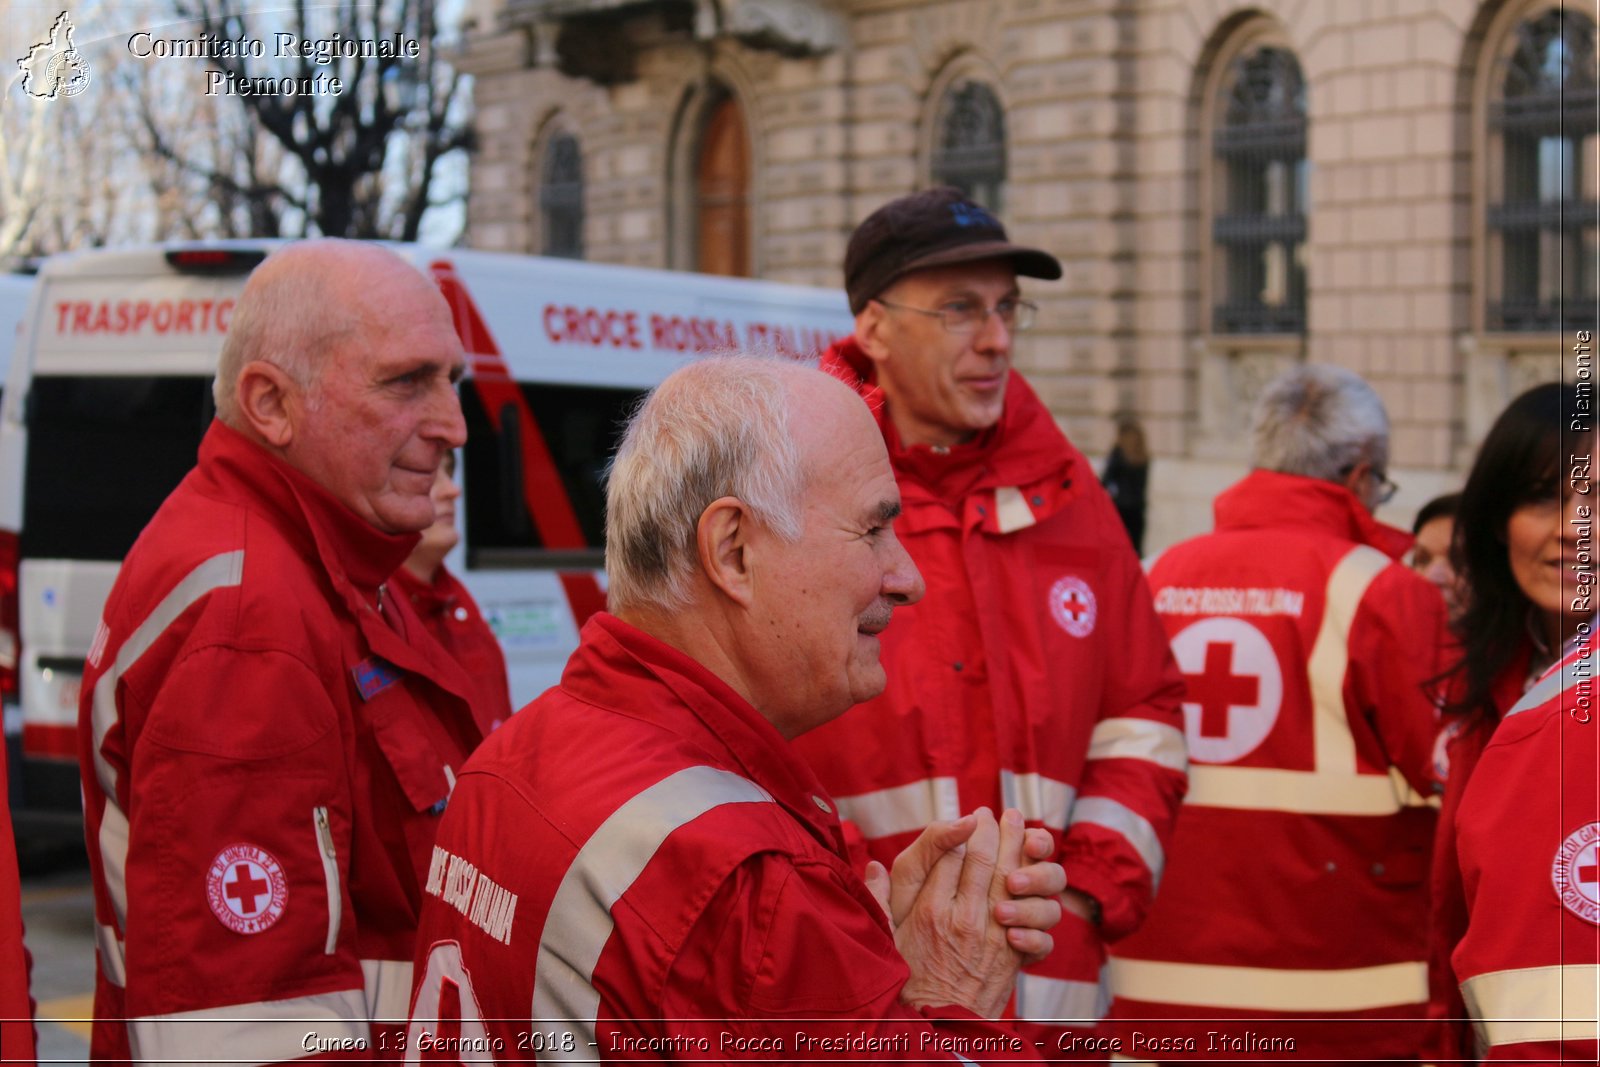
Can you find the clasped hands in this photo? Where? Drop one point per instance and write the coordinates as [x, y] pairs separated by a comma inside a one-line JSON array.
[[971, 901]]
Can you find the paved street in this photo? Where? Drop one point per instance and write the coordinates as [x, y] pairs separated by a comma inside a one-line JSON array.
[[58, 913]]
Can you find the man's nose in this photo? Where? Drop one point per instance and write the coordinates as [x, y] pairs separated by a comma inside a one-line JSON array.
[[444, 421], [902, 582], [993, 334]]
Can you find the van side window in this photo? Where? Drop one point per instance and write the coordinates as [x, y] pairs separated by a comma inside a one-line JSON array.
[[103, 453], [580, 427]]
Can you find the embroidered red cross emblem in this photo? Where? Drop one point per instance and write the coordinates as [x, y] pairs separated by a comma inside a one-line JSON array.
[[1589, 875], [1218, 689], [244, 889], [1074, 604]]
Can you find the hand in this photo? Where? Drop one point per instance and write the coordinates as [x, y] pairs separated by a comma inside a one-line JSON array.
[[1029, 904], [941, 896]]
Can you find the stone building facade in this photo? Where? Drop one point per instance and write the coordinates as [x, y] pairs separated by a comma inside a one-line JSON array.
[[1403, 187]]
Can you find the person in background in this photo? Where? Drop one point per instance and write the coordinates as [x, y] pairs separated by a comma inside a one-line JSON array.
[[1126, 476], [638, 864], [1034, 674], [1516, 556], [1296, 890], [1434, 530], [266, 742], [448, 610]]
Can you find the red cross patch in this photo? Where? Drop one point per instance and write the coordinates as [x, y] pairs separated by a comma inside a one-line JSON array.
[[1072, 606], [1235, 688], [1576, 873], [246, 888]]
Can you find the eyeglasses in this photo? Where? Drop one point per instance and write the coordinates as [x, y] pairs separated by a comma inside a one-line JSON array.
[[965, 317], [1386, 488]]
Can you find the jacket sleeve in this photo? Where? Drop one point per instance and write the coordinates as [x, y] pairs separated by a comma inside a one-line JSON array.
[[1396, 648], [1136, 773], [240, 942], [786, 963]]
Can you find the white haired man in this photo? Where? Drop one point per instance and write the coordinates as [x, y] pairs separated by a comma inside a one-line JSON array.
[[638, 864], [1035, 673], [1297, 878], [266, 743]]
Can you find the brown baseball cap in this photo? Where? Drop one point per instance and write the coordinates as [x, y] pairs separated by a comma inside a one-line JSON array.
[[933, 228]]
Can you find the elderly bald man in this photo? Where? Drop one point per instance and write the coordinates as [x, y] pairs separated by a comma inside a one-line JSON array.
[[267, 742]]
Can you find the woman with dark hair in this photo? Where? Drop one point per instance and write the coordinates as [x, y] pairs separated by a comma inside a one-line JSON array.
[[1508, 554], [1511, 550]]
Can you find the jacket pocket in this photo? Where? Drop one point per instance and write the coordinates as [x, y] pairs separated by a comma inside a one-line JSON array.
[[330, 874]]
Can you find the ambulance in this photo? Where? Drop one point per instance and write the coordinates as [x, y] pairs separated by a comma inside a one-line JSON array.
[[109, 394]]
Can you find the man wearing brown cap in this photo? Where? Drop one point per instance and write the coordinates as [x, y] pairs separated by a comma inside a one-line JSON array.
[[1035, 673]]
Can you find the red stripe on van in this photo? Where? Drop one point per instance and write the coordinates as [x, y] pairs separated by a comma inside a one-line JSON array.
[[553, 514], [44, 741]]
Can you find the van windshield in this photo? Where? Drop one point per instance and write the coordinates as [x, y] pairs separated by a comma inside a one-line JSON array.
[[103, 453], [580, 428]]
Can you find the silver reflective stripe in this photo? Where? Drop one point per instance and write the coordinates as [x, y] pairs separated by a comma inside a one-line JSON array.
[[268, 1031], [1270, 989], [1301, 792], [1040, 799], [113, 842], [112, 963], [1011, 510], [579, 922], [1127, 738], [1534, 1004], [1335, 751], [1578, 669], [1043, 1000], [1135, 828], [217, 572], [902, 808], [388, 989], [330, 876]]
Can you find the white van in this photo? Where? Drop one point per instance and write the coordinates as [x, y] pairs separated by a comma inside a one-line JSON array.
[[107, 400]]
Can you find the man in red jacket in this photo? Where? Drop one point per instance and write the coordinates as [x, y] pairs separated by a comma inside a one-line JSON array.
[[1298, 872], [638, 865], [1034, 674], [266, 742]]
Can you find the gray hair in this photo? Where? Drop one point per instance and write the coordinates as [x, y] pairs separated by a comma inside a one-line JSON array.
[[717, 427], [1319, 421], [284, 317]]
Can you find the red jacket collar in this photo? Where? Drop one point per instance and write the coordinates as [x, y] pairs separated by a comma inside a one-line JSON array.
[[1269, 498], [348, 545], [429, 598], [1023, 449], [617, 665]]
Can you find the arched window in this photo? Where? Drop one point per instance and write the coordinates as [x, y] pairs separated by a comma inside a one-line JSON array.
[[969, 150], [1542, 186], [1259, 201], [722, 192], [561, 198]]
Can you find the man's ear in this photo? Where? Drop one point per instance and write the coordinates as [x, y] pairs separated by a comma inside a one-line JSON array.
[[872, 329], [722, 546], [1358, 482], [269, 402]]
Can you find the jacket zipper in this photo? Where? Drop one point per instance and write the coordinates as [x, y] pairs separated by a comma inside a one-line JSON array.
[[330, 872]]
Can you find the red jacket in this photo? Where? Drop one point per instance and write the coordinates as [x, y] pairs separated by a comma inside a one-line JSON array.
[[16, 1007], [1526, 837], [1034, 674], [636, 866], [1460, 748], [449, 613], [264, 758], [1298, 874]]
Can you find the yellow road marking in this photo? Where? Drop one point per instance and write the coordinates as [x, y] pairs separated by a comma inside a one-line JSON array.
[[75, 1014]]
